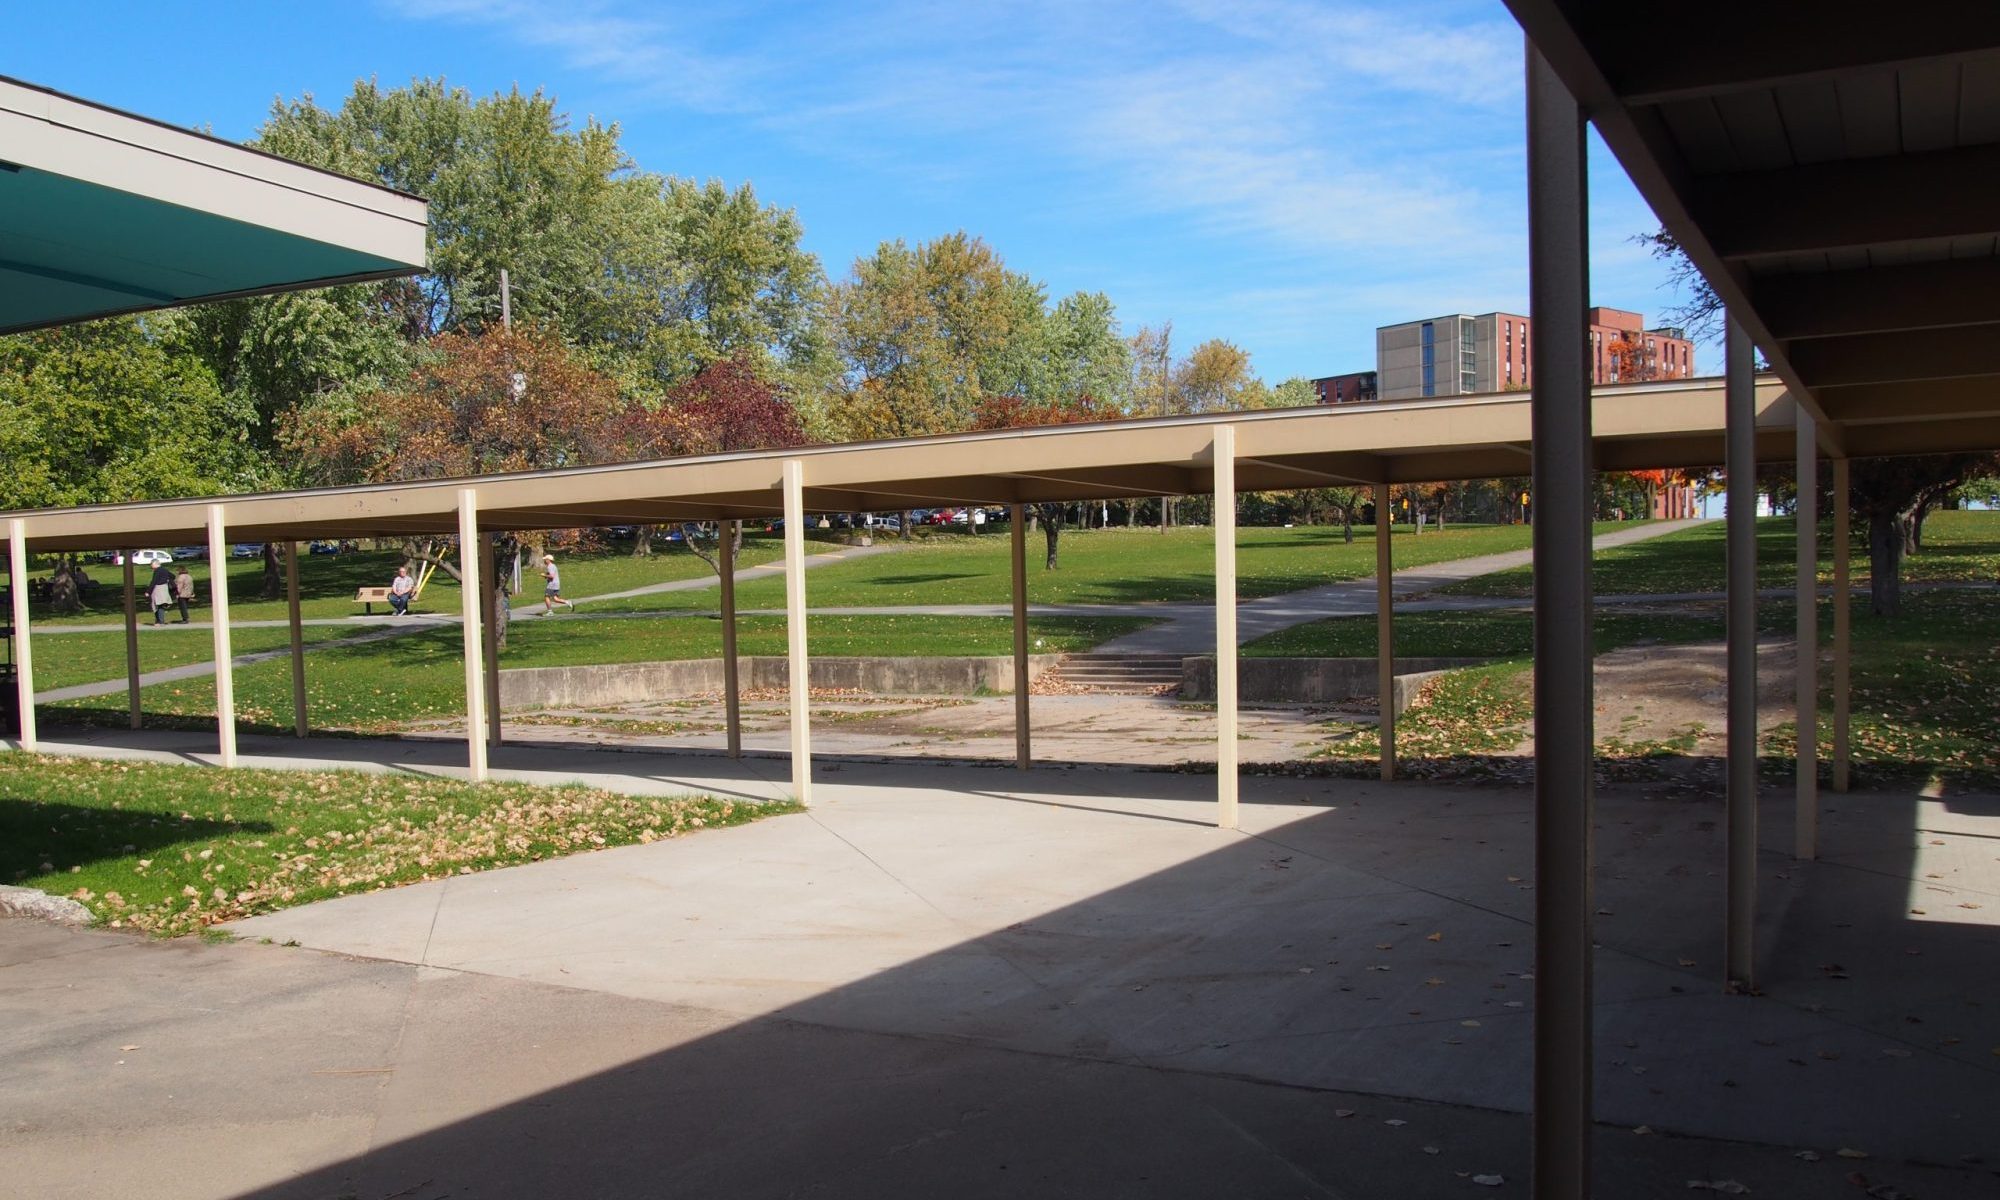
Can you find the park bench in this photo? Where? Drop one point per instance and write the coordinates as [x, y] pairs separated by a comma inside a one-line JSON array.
[[369, 597]]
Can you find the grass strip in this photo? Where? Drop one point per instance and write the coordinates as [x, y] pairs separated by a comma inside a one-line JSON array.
[[170, 849]]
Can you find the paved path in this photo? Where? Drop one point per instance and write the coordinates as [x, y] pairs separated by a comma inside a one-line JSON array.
[[951, 981]]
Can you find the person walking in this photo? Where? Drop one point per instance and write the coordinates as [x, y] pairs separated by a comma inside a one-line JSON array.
[[183, 590], [160, 592], [400, 590], [552, 587]]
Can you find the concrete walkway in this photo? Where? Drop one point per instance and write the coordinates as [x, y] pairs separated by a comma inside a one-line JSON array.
[[949, 981]]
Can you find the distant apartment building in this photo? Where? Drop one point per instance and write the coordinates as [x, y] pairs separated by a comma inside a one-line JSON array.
[[1347, 389], [1460, 355]]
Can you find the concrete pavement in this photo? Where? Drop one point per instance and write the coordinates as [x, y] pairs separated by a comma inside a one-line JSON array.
[[969, 982]]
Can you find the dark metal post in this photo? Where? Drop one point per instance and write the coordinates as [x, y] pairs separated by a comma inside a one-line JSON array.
[[1740, 464], [732, 702], [1558, 290]]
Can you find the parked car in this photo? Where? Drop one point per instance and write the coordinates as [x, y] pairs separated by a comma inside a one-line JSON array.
[[197, 553], [881, 521], [323, 547], [145, 558], [245, 550]]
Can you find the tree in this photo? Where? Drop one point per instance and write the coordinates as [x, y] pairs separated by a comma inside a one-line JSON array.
[[1215, 377], [1012, 412], [919, 329], [725, 406], [103, 413], [502, 400]]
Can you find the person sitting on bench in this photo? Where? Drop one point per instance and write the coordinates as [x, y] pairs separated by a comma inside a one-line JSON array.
[[400, 591]]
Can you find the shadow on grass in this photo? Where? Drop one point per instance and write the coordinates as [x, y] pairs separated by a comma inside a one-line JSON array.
[[34, 832]]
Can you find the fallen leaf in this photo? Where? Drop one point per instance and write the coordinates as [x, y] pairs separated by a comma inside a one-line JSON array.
[[1430, 1150], [128, 1047], [1436, 937], [1844, 1152], [1728, 1187], [1343, 1112], [1396, 1121], [1489, 1180]]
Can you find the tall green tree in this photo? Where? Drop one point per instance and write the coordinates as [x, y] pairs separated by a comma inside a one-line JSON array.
[[104, 413]]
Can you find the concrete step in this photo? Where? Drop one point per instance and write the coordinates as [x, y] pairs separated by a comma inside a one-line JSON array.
[[1119, 674]]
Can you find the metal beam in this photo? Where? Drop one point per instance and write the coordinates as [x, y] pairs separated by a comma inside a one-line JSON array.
[[1740, 464], [1558, 290], [131, 641], [1385, 631], [1017, 520], [1920, 354], [24, 647], [1805, 828], [490, 600], [1337, 469], [1850, 203], [1843, 502], [799, 664], [295, 624], [1224, 472], [1905, 403], [1933, 295], [732, 691], [1765, 51], [469, 576], [225, 666]]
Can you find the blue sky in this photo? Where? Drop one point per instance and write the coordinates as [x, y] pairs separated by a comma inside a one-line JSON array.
[[1285, 174]]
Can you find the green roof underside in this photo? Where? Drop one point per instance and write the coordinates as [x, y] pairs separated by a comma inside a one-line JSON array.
[[71, 251]]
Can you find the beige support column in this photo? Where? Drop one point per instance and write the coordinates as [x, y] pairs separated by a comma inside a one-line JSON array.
[[489, 641], [1225, 626], [299, 714], [131, 638], [24, 651], [1017, 517], [795, 630], [732, 702], [1385, 631], [1806, 663], [225, 665], [469, 576], [1842, 503]]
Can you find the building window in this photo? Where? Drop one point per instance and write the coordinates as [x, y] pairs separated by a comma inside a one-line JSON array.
[[1430, 359]]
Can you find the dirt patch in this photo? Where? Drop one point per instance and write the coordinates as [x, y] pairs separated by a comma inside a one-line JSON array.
[[1661, 693]]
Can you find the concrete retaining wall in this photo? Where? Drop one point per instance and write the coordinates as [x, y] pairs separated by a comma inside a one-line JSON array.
[[630, 683], [1312, 680]]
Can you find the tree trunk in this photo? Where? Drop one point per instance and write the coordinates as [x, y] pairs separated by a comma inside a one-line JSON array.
[[66, 597], [642, 543], [1051, 529], [1347, 525], [506, 558], [1885, 564], [907, 531], [274, 572]]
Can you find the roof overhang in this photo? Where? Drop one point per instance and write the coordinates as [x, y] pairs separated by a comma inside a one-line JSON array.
[[1637, 426], [1832, 170], [103, 212]]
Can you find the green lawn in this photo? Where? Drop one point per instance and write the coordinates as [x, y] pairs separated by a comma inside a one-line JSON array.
[[375, 686], [66, 659], [1109, 566], [1922, 700], [1958, 546], [170, 849], [1488, 634], [327, 582]]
